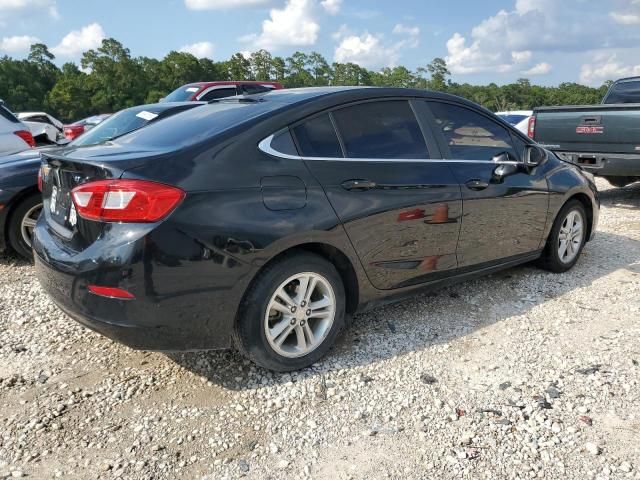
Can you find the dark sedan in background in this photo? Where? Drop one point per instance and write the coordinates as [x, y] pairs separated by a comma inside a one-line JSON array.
[[20, 200], [262, 222]]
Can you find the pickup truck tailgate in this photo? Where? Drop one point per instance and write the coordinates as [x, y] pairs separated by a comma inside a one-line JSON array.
[[597, 129]]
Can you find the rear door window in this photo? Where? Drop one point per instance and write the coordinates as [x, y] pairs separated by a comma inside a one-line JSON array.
[[318, 138], [386, 129], [470, 135]]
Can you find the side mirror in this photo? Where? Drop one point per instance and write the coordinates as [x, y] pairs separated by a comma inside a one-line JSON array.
[[534, 155]]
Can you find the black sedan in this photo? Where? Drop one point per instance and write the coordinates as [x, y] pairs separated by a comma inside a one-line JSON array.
[[262, 222], [20, 200]]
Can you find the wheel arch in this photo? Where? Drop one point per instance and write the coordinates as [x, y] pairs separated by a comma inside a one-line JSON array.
[[584, 199], [333, 255]]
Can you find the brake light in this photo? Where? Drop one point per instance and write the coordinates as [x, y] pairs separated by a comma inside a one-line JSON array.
[[110, 292], [26, 136], [40, 179], [531, 129], [136, 201]]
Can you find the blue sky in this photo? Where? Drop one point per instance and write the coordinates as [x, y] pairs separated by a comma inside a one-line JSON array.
[[548, 41]]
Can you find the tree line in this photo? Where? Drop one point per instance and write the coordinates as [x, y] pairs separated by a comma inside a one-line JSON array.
[[109, 79]]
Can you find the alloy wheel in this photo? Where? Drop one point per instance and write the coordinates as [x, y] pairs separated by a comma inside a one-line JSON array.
[[29, 223], [300, 314], [571, 236]]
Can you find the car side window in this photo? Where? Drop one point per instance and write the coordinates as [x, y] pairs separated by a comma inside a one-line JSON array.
[[386, 129], [218, 93], [283, 142], [318, 138], [470, 135]]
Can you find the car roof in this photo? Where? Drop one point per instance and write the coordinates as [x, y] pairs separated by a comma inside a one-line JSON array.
[[230, 82], [30, 114], [239, 113]]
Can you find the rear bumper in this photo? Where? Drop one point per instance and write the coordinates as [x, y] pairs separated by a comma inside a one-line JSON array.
[[175, 308], [605, 164]]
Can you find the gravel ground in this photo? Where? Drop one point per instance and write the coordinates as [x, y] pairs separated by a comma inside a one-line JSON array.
[[520, 375]]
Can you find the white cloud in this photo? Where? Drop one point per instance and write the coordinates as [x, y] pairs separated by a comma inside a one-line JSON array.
[[79, 41], [365, 50], [10, 8], [293, 25], [222, 4], [199, 49], [627, 13], [371, 50], [498, 43], [606, 67], [331, 6], [17, 44], [539, 69], [401, 29], [521, 57]]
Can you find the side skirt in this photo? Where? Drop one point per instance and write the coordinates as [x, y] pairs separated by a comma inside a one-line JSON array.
[[460, 275]]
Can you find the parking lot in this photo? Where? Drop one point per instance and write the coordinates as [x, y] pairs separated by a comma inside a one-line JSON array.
[[523, 374]]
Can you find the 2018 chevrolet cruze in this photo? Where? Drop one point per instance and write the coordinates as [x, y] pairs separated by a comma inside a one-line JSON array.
[[262, 221]]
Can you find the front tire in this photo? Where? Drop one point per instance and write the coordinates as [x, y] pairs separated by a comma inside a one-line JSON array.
[[21, 224], [292, 314], [567, 238]]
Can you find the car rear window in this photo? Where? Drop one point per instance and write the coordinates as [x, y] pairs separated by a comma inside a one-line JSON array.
[[182, 94], [5, 113], [198, 124], [317, 138], [386, 129], [624, 92]]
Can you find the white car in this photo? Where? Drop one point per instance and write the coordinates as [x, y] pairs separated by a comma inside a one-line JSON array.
[[46, 130], [517, 118], [14, 135]]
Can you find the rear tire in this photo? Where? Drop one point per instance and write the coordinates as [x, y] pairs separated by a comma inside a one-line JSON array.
[[21, 224], [292, 314], [567, 238]]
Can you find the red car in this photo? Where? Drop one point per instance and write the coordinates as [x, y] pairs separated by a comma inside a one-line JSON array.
[[207, 91], [78, 128]]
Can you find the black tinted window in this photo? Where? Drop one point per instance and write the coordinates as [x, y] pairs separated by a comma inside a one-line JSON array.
[[380, 130], [283, 143], [218, 93], [470, 135], [317, 138], [624, 92], [4, 112]]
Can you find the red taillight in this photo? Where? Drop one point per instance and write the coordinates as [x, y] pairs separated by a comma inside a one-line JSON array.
[[110, 292], [137, 201], [26, 136], [40, 179], [531, 129], [73, 131]]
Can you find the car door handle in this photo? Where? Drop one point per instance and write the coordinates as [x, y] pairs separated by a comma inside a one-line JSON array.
[[476, 184], [359, 185]]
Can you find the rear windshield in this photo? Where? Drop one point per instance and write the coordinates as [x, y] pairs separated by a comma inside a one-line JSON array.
[[5, 113], [513, 119], [125, 122], [182, 94], [624, 92], [198, 124]]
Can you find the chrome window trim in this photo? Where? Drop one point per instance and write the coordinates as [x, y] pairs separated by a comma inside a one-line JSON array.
[[265, 147]]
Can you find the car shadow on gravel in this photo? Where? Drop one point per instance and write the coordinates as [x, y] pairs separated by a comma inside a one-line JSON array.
[[434, 318]]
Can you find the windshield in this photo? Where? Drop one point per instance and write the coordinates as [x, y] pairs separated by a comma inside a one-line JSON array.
[[513, 119], [624, 92], [182, 94]]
